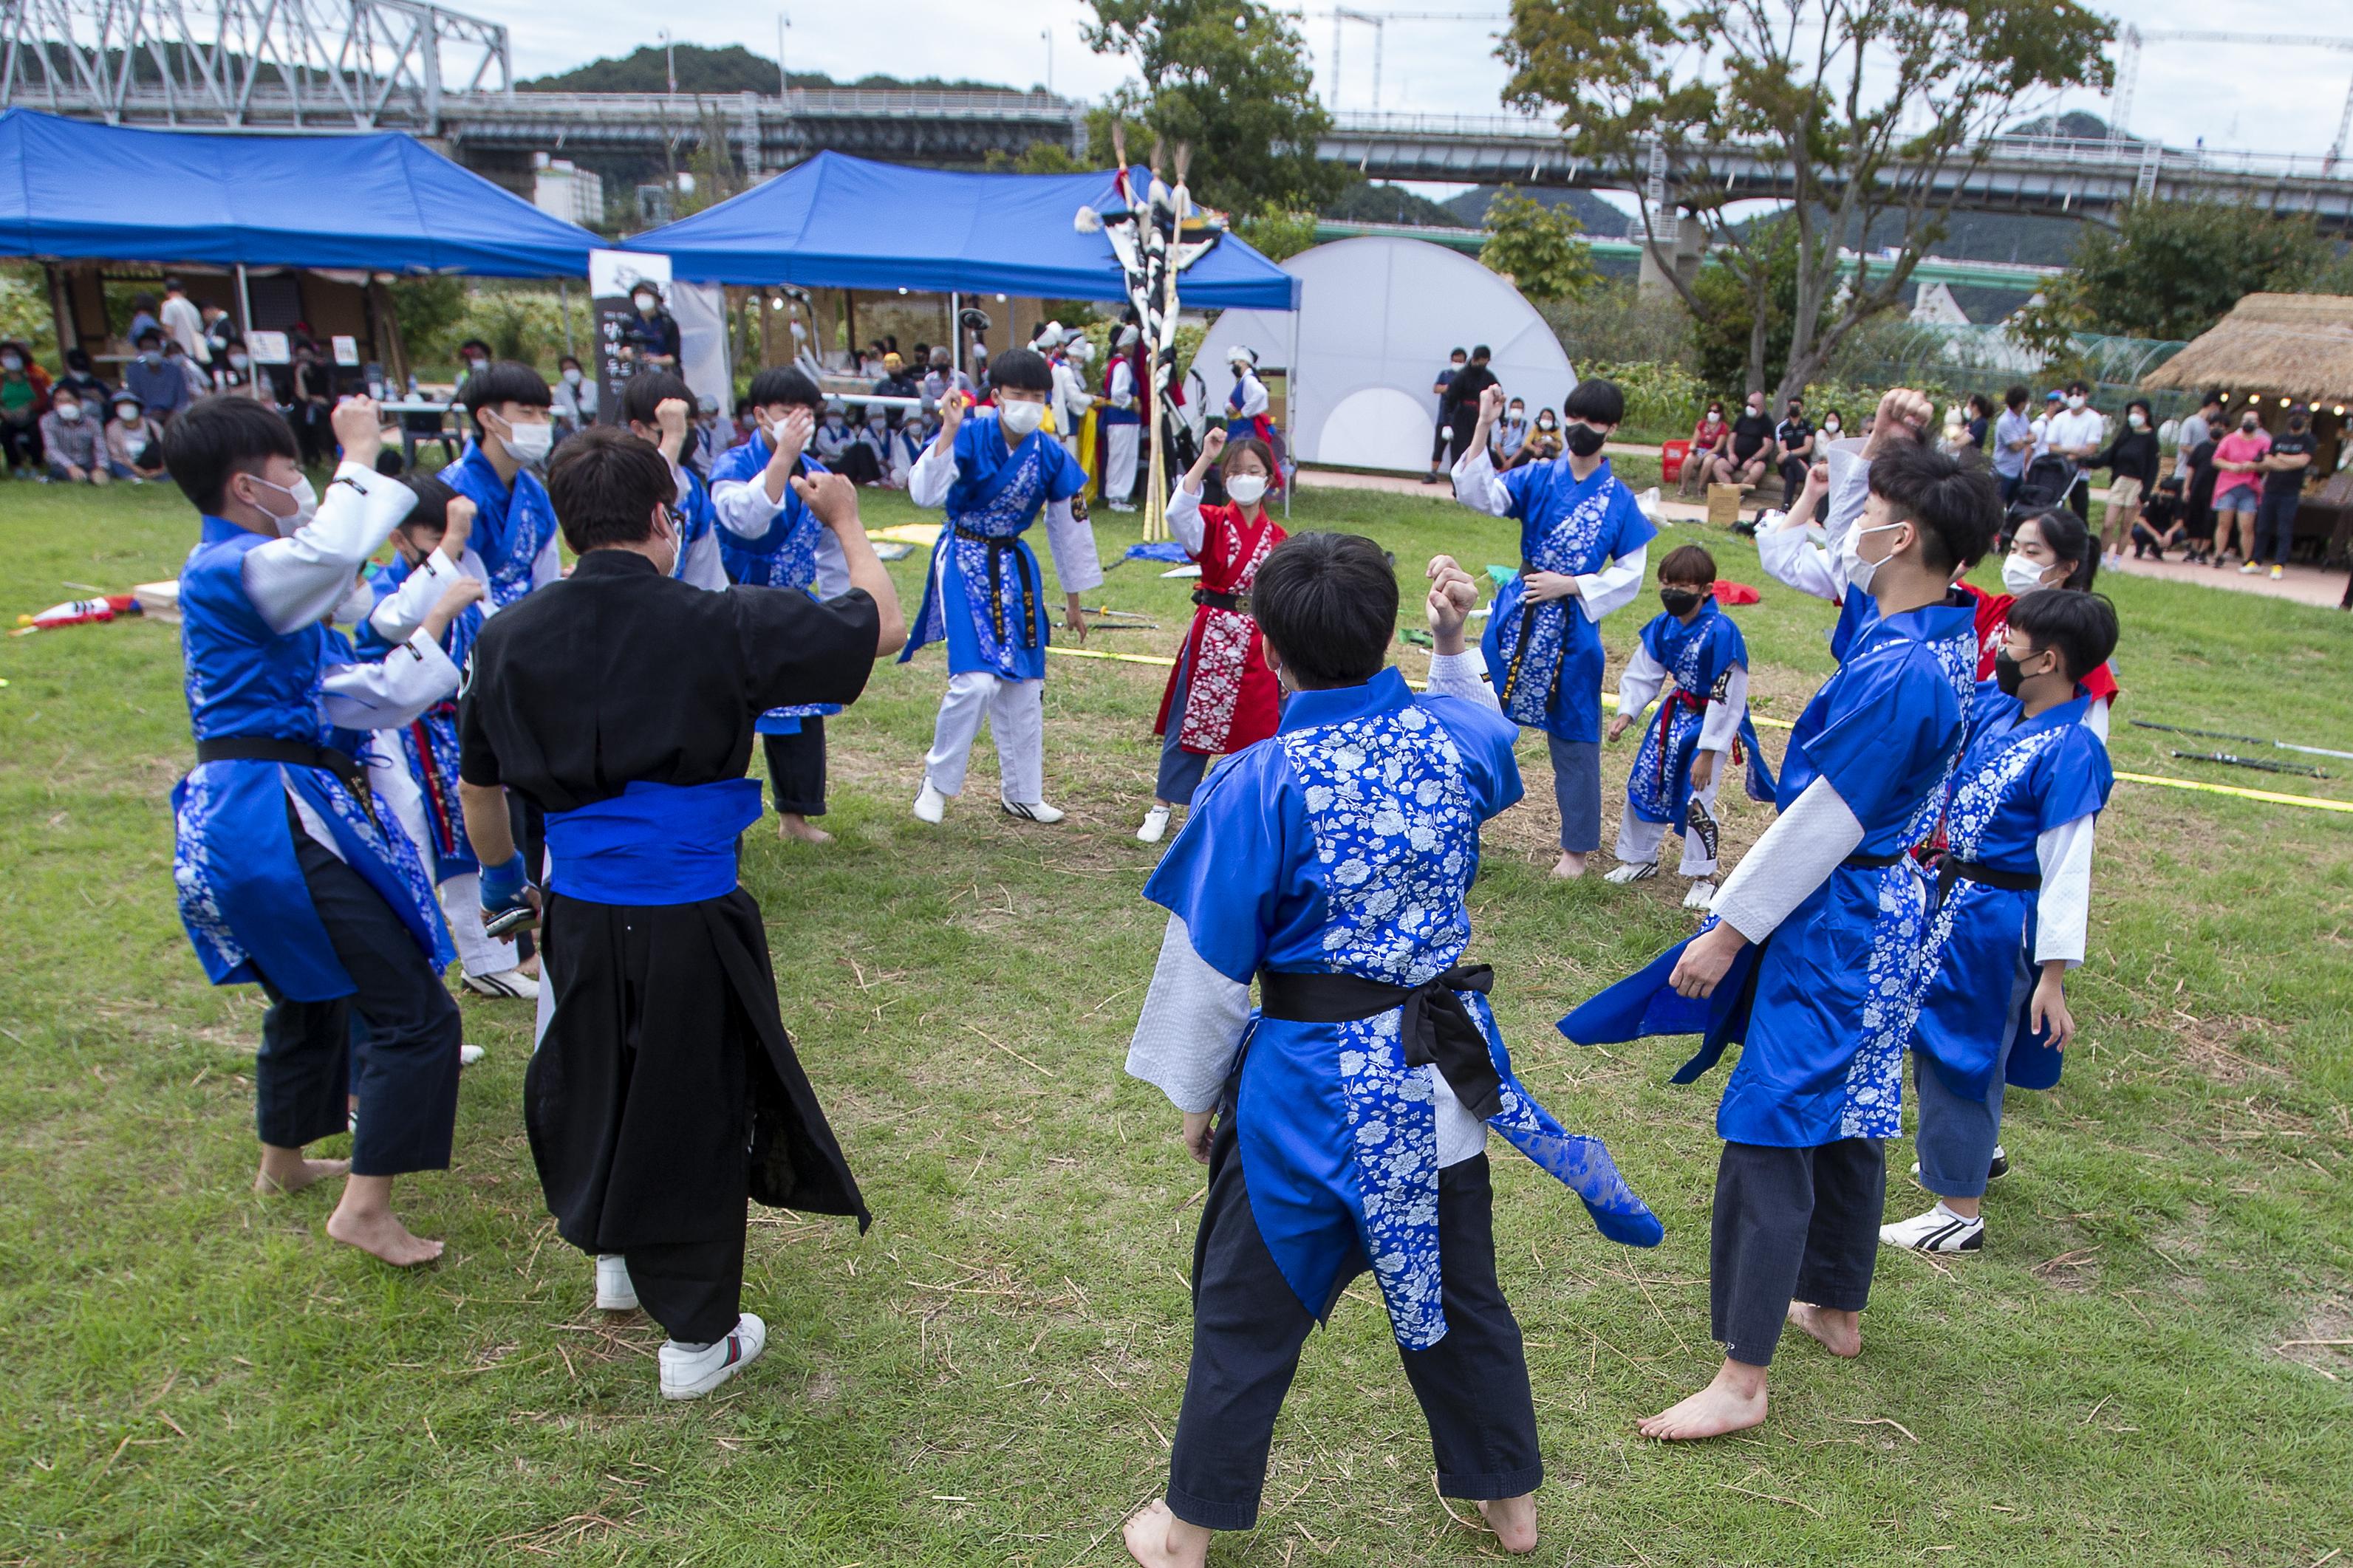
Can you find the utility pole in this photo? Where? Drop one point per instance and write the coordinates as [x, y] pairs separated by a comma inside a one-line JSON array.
[[1047, 34], [784, 78], [670, 53]]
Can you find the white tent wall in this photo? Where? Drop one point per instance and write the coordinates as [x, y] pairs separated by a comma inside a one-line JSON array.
[[1378, 317]]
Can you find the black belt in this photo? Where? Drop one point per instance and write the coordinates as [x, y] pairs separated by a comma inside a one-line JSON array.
[[295, 753], [1951, 868], [1000, 546], [1874, 862], [1437, 1030], [1211, 599]]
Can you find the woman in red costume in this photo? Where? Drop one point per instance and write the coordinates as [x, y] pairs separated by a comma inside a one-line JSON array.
[[1221, 696]]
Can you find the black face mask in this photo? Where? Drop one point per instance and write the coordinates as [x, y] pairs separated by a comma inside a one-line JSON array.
[[1584, 440], [1679, 601], [2006, 673]]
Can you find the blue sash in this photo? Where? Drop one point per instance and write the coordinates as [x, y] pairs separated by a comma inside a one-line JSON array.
[[652, 844]]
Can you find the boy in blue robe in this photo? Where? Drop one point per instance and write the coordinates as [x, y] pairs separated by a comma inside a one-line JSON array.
[[287, 874], [1811, 959], [1692, 661], [1330, 863], [660, 407], [984, 597], [768, 538], [514, 525], [2016, 878], [1582, 537]]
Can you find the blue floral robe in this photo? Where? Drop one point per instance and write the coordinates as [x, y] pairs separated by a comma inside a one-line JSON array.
[[995, 627], [1545, 659], [1699, 659], [511, 527], [783, 557]]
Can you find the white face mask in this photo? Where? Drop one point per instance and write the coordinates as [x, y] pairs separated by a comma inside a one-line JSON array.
[[2020, 576], [306, 502], [2075, 403], [529, 443], [1859, 572], [236, 362], [1246, 489], [1022, 420], [645, 304], [70, 412], [1831, 423], [2136, 420], [11, 361], [128, 415], [571, 377]]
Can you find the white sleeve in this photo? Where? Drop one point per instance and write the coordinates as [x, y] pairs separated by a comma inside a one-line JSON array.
[[404, 609], [1615, 586], [1464, 675], [1639, 682], [1720, 725], [549, 567], [703, 567], [1789, 556], [387, 694], [300, 578], [1850, 491], [2064, 908], [743, 508], [1122, 385], [928, 480], [1478, 486], [1192, 1023], [1073, 543], [2096, 718], [1185, 523], [1796, 856], [832, 566]]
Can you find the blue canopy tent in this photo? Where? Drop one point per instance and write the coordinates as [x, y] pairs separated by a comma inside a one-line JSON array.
[[838, 222], [73, 190]]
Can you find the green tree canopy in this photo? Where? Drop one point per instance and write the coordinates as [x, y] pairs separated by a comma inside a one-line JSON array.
[[2171, 269], [1230, 79], [1536, 247]]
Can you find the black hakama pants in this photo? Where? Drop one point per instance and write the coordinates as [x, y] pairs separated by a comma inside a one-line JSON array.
[[666, 1092], [796, 768], [1249, 1330], [1791, 1224]]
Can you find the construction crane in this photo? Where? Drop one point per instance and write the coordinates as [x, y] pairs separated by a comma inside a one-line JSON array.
[[1377, 21], [2128, 69]]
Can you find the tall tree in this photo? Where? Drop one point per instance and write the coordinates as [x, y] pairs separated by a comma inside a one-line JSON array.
[[2171, 269], [1232, 77], [1539, 248], [1877, 109]]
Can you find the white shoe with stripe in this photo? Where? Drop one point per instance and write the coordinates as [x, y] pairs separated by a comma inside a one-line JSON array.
[[1939, 1230], [691, 1373], [1031, 811], [509, 982], [1627, 872]]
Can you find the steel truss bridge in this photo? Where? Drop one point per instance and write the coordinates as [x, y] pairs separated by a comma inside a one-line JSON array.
[[263, 66]]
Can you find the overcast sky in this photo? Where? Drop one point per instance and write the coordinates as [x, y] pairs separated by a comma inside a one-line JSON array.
[[2274, 100]]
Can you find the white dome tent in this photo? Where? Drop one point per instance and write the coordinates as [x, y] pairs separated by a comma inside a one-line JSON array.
[[1376, 320]]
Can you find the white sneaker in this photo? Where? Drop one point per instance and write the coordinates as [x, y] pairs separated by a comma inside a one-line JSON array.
[[2250, 568], [1155, 826], [1701, 894], [469, 1054], [614, 1291], [1939, 1230], [1627, 872], [691, 1373], [2278, 572], [931, 806], [512, 982], [1031, 811], [1122, 506]]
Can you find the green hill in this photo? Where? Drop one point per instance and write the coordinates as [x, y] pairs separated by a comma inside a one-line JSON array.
[[732, 69]]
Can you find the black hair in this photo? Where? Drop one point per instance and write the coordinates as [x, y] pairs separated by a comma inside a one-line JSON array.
[[216, 436], [390, 463], [143, 301], [1328, 603], [1954, 504], [2076, 386], [1687, 563], [563, 360], [2069, 538], [174, 286], [1481, 353], [1981, 405], [473, 343], [785, 385], [1021, 370], [2209, 400], [604, 483], [432, 508], [154, 332], [2142, 403], [2080, 628], [643, 394], [2017, 397], [1458, 349], [1240, 444], [1595, 401], [505, 381]]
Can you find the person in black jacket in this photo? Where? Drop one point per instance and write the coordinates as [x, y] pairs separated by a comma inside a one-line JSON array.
[[2200, 497], [2132, 461]]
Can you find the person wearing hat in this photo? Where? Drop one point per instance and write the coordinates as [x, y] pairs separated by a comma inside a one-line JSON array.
[[1121, 417], [134, 443], [1246, 405]]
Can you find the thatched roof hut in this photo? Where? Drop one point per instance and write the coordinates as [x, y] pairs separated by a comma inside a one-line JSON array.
[[2289, 345]]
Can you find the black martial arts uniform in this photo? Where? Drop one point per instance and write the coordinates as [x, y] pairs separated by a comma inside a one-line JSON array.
[[621, 702]]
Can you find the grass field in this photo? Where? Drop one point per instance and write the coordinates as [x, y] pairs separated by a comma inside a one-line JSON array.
[[2152, 1363]]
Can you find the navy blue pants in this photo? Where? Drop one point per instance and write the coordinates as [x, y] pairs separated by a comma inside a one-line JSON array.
[[1791, 1224], [796, 768], [401, 1059], [1576, 789], [1180, 770], [1248, 1329]]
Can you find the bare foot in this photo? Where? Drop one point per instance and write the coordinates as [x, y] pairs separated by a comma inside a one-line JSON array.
[[1734, 1402], [1840, 1333], [529, 966], [285, 1171], [1158, 1539], [365, 1220], [793, 828], [1569, 867], [1514, 1520]]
